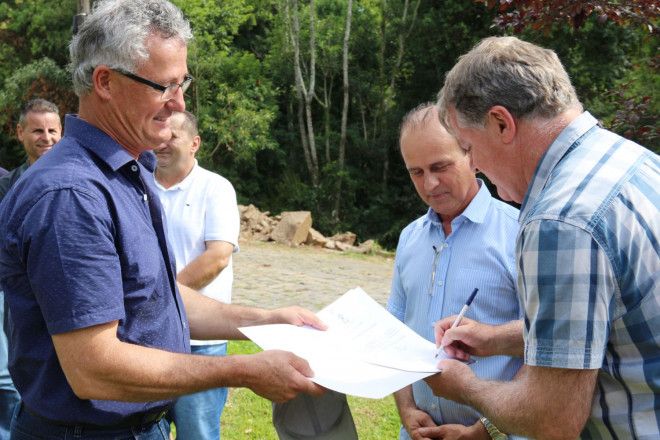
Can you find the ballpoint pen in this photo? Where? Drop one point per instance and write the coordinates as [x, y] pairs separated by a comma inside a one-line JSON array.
[[459, 317]]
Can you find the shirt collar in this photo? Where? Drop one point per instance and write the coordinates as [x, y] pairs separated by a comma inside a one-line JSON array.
[[555, 152], [148, 159], [475, 211], [102, 145], [184, 184]]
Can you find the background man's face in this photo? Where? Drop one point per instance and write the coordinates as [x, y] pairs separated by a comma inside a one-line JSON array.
[[40, 131], [180, 149]]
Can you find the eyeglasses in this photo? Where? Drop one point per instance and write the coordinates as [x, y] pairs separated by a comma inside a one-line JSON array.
[[168, 91]]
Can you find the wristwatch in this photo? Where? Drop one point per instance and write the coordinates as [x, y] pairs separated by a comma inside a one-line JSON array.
[[494, 433]]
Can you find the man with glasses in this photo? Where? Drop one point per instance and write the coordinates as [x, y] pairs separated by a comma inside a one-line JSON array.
[[168, 91], [466, 240], [99, 328]]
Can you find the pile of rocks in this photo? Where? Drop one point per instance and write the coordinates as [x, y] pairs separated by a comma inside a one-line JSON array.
[[256, 225], [294, 228]]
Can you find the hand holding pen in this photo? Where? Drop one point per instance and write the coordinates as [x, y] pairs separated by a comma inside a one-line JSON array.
[[458, 319]]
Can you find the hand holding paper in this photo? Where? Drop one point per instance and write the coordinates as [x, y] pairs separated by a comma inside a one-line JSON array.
[[365, 351]]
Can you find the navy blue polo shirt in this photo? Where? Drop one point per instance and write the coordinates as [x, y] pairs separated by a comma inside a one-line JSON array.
[[78, 248]]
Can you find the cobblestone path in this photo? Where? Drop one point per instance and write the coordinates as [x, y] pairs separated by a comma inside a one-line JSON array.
[[272, 275]]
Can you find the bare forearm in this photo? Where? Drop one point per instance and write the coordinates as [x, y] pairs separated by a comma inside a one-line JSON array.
[[404, 400], [202, 270], [535, 405], [418, 423], [144, 374], [100, 366], [211, 319], [505, 404], [509, 339]]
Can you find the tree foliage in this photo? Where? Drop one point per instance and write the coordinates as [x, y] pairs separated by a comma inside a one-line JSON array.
[[540, 14], [34, 39], [231, 95], [394, 58], [610, 50]]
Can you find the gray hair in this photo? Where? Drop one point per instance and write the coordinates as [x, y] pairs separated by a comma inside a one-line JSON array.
[[528, 80], [115, 34], [37, 105]]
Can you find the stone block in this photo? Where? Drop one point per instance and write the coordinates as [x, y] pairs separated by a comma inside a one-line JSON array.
[[315, 238], [293, 228], [345, 237], [366, 247]]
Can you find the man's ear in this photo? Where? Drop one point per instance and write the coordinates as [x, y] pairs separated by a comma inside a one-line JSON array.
[[19, 132], [101, 81], [503, 122], [196, 143]]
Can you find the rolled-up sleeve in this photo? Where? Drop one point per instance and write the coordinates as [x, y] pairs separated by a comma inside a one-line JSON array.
[[569, 292]]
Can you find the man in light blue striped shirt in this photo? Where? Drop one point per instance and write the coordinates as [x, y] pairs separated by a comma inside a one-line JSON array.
[[588, 254], [466, 240]]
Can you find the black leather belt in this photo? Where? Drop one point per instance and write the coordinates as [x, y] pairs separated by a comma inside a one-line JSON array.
[[139, 420], [132, 421]]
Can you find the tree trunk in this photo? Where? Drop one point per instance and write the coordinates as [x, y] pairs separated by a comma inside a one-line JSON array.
[[303, 135], [326, 104], [407, 26], [344, 111], [82, 11], [310, 94], [365, 133], [83, 6], [305, 95]]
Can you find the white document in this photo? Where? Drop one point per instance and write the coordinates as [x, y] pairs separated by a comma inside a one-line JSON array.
[[365, 351]]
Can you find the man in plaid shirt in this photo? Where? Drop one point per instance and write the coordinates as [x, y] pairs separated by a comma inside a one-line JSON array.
[[588, 253]]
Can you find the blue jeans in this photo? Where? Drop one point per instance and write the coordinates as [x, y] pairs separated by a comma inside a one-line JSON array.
[[197, 416], [8, 395], [26, 426]]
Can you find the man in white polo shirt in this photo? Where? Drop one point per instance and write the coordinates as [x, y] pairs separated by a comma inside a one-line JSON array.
[[202, 229]]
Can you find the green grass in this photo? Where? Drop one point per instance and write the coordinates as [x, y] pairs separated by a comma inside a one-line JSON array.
[[248, 416]]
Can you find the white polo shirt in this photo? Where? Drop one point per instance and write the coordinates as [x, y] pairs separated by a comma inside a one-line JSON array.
[[200, 208]]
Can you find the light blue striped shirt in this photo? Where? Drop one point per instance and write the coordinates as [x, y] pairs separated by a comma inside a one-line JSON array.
[[589, 263], [478, 253]]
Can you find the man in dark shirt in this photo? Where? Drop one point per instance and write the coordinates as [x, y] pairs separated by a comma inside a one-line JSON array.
[[101, 348], [38, 129]]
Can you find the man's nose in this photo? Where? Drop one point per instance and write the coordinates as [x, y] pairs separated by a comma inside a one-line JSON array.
[[45, 137], [430, 181], [177, 103]]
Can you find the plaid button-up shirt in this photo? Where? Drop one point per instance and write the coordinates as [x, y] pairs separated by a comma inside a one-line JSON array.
[[588, 264]]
